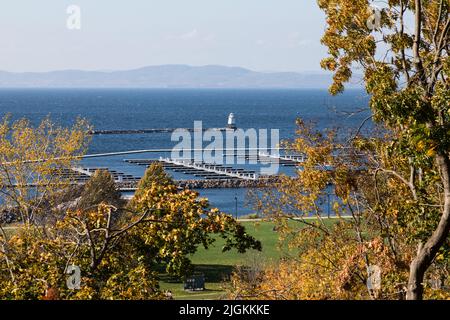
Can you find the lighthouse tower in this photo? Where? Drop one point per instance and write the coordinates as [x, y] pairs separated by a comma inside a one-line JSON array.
[[231, 122]]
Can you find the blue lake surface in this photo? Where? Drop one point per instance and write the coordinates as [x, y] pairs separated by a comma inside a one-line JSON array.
[[112, 109]]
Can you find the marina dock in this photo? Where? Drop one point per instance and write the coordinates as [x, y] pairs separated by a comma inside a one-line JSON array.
[[265, 158], [211, 170], [285, 160], [201, 170], [81, 175]]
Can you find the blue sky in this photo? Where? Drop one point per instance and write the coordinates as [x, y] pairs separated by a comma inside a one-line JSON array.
[[263, 35]]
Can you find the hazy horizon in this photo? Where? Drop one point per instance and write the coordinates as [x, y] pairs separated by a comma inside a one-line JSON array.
[[170, 76], [318, 71]]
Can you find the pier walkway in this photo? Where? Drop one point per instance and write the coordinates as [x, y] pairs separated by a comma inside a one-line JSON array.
[[286, 160], [81, 175], [214, 170], [206, 171]]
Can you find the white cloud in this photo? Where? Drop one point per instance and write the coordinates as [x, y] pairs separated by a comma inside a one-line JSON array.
[[189, 35]]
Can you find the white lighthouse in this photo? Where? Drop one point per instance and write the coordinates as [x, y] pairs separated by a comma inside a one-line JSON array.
[[231, 122]]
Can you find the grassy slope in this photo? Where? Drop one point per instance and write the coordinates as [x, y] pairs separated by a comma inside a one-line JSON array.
[[217, 265]]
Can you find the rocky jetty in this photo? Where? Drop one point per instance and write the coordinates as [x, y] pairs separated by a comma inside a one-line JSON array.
[[224, 183], [213, 183]]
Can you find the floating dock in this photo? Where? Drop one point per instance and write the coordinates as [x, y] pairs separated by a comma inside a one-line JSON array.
[[212, 170], [285, 160], [265, 158], [81, 175], [202, 170]]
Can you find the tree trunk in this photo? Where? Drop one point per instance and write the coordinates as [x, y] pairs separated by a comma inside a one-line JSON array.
[[427, 252]]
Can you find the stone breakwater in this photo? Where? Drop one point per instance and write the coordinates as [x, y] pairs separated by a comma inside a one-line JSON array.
[[213, 183], [231, 183]]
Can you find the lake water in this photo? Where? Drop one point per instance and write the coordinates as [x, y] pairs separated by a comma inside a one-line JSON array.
[[111, 109]]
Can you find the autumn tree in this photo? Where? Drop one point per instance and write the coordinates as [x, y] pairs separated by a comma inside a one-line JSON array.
[[375, 223], [116, 248], [402, 50], [183, 228], [328, 258], [34, 161], [100, 188], [155, 174]]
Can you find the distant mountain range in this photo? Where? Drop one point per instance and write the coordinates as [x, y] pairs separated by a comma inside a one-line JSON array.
[[167, 76]]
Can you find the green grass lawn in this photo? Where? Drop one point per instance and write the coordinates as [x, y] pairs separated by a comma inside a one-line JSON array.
[[217, 265], [262, 231]]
